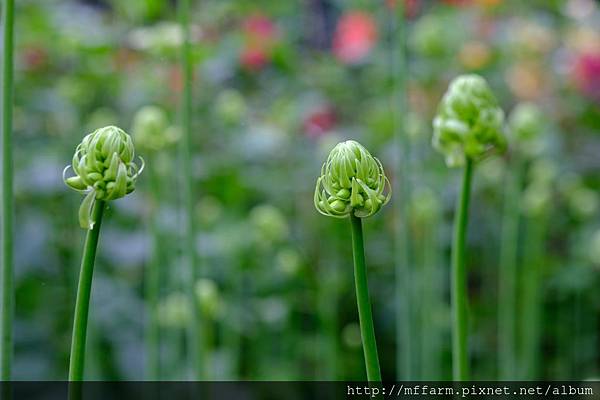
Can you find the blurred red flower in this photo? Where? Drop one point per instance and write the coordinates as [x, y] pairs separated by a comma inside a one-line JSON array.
[[125, 59], [260, 34], [175, 79], [354, 37], [34, 57], [259, 26], [489, 3], [457, 2], [464, 3], [586, 74], [411, 7], [254, 58], [319, 122]]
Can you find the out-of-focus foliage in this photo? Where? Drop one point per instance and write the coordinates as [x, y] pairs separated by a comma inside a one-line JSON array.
[[276, 85]]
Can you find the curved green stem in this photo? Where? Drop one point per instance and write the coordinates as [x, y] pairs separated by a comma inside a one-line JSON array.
[[195, 342], [84, 289], [367, 331], [6, 342], [460, 361], [507, 277]]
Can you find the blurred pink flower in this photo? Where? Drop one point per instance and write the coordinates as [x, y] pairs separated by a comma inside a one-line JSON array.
[[254, 58], [259, 26], [457, 2], [411, 7], [175, 79], [464, 3], [319, 122], [489, 3], [586, 74], [35, 57], [260, 35], [354, 37]]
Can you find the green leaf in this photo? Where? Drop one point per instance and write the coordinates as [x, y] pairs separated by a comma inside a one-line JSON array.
[[85, 211]]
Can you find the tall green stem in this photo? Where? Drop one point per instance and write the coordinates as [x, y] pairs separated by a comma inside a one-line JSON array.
[[432, 299], [507, 276], [195, 342], [153, 285], [326, 308], [367, 331], [231, 333], [460, 361], [84, 289], [6, 342], [531, 308], [404, 348]]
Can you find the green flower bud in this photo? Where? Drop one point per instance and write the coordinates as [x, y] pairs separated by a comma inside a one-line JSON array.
[[430, 38], [526, 121], [288, 261], [163, 38], [583, 202], [207, 295], [209, 210], [231, 106], [537, 199], [150, 128], [543, 170], [104, 169], [269, 223], [469, 122], [526, 125], [424, 204], [491, 172], [174, 311], [351, 181]]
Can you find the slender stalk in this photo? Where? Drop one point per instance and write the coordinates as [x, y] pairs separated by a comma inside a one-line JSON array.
[[367, 331], [231, 333], [507, 276], [531, 308], [84, 289], [404, 348], [326, 308], [153, 285], [578, 336], [195, 342], [6, 342], [431, 301], [460, 362]]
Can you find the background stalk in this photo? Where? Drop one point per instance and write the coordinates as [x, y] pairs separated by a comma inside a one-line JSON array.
[[231, 335], [84, 289], [6, 342], [460, 361], [195, 341], [432, 300], [507, 275], [367, 331], [326, 309], [404, 347], [153, 283], [531, 307]]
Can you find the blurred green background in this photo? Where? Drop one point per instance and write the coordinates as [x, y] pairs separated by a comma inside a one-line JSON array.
[[276, 85]]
